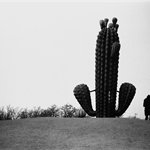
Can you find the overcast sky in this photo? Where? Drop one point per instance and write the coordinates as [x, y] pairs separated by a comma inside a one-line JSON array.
[[46, 49]]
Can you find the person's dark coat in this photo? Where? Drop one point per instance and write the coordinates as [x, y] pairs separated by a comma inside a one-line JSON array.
[[146, 104]]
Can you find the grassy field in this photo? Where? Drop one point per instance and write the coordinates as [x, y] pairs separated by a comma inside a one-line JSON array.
[[75, 134]]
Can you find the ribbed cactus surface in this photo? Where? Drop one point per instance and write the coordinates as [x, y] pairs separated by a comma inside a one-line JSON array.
[[106, 77]]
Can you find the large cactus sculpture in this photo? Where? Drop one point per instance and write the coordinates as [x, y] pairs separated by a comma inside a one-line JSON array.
[[106, 76]]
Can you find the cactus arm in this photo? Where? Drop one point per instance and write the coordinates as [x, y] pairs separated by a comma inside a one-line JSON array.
[[82, 95], [113, 77], [115, 51], [126, 94]]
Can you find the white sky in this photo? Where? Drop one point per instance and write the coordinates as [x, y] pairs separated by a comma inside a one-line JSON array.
[[46, 49]]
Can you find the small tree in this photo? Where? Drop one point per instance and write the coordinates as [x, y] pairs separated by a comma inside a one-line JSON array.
[[68, 110], [37, 112], [24, 114], [46, 113], [2, 113], [30, 113], [11, 113], [54, 110]]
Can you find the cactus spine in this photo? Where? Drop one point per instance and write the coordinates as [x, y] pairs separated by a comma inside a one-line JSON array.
[[106, 77]]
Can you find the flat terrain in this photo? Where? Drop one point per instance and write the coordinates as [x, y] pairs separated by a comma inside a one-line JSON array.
[[75, 134]]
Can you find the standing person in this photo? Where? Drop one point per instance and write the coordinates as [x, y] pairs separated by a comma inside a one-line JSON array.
[[146, 104]]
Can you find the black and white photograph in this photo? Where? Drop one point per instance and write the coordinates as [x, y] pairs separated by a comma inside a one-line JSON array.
[[74, 75]]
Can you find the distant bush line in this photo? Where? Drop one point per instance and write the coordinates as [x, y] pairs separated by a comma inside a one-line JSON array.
[[66, 111]]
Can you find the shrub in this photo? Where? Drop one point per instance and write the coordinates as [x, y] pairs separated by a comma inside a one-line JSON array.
[[80, 113], [10, 113]]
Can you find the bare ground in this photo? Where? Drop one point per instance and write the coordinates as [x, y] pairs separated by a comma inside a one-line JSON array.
[[75, 134]]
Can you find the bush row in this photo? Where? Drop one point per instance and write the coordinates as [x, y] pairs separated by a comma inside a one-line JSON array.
[[11, 113]]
